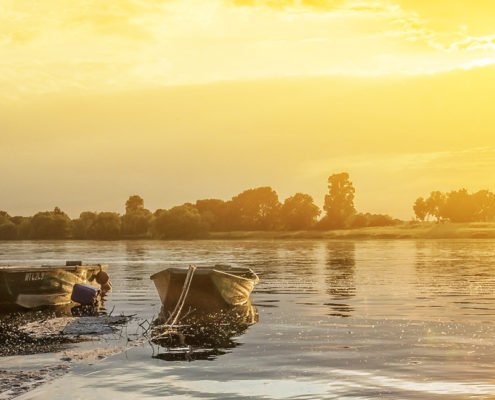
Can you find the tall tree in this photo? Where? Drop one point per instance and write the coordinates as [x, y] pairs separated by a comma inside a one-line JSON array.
[[134, 203], [434, 204], [420, 209], [136, 221], [339, 202], [299, 212]]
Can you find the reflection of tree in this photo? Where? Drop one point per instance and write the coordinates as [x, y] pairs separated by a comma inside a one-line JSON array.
[[136, 254], [340, 277], [135, 251]]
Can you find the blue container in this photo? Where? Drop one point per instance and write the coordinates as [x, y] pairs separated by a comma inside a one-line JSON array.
[[85, 294]]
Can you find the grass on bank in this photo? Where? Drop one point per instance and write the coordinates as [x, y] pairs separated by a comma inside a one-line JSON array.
[[410, 230]]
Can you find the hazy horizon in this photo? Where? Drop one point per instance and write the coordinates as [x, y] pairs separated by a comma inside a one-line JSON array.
[[179, 101]]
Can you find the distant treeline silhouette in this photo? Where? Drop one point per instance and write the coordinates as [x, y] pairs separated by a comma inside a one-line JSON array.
[[456, 206], [252, 210]]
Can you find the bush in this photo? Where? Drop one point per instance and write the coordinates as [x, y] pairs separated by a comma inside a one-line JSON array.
[[8, 231]]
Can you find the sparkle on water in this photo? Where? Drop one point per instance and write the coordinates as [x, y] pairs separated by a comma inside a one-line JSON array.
[[336, 319]]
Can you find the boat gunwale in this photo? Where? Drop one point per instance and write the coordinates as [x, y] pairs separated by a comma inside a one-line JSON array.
[[49, 268], [206, 270], [255, 278]]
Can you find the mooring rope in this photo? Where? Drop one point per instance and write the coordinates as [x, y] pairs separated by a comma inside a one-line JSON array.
[[172, 319]]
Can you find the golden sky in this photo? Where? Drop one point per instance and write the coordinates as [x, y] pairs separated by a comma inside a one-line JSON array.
[[179, 100]]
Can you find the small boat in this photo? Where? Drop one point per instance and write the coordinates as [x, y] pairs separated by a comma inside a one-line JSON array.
[[210, 287], [46, 285]]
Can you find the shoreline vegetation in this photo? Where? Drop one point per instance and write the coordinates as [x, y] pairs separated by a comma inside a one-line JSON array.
[[258, 214], [406, 230]]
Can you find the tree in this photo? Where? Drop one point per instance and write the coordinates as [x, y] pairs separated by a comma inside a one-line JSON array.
[[299, 212], [136, 221], [420, 208], [484, 201], [359, 221], [81, 226], [255, 209], [365, 220], [8, 231], [180, 222], [4, 217], [458, 206], [215, 213], [339, 202], [434, 204], [23, 226], [50, 225], [134, 203], [106, 226], [381, 220], [136, 224]]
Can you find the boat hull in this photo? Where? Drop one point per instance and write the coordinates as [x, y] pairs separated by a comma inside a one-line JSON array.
[[33, 287], [210, 288]]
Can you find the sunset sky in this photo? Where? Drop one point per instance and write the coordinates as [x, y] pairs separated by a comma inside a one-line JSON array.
[[181, 100]]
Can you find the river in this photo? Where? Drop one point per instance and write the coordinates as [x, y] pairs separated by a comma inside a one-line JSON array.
[[398, 319]]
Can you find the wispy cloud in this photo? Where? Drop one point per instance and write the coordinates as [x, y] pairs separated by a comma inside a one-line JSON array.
[[470, 43], [478, 157], [55, 45]]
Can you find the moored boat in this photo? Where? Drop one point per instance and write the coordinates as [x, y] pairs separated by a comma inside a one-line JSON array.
[[46, 285], [210, 287]]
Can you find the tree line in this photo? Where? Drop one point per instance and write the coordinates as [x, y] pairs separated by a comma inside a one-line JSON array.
[[456, 206], [252, 210]]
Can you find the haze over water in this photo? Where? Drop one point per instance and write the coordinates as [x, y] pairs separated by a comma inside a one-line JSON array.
[[337, 319]]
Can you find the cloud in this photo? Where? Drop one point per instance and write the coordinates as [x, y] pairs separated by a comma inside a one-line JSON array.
[[321, 4], [52, 45], [446, 169], [470, 43], [456, 159]]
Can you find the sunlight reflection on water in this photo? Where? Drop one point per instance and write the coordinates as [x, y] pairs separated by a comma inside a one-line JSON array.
[[337, 319]]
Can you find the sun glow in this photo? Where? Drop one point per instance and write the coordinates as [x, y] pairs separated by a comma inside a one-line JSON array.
[[53, 46], [99, 100]]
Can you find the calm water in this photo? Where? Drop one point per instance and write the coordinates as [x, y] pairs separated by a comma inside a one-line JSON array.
[[337, 319]]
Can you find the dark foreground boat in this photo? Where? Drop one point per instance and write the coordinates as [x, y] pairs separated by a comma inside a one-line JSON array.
[[46, 285], [210, 287]]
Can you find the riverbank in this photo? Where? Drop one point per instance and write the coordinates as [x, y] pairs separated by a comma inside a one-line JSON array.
[[409, 230], [406, 230], [38, 347]]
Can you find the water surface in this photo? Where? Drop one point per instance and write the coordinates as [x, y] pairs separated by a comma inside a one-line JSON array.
[[337, 319]]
